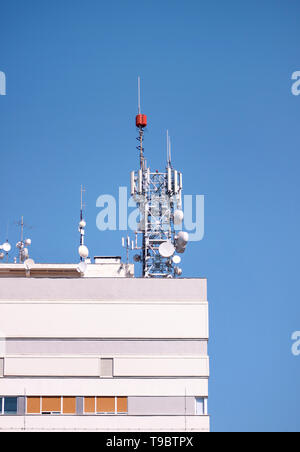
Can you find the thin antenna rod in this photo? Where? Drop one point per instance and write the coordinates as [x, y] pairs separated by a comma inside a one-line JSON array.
[[167, 147], [139, 95], [169, 159], [81, 201]]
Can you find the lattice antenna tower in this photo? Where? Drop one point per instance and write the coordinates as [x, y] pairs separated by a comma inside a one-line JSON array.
[[159, 198]]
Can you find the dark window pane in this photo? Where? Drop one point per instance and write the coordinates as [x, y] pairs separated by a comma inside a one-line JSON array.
[[10, 405], [0, 405]]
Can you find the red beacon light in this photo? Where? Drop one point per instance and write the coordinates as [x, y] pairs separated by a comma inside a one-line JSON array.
[[141, 120]]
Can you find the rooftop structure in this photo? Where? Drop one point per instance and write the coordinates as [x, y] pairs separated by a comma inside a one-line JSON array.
[[90, 347]]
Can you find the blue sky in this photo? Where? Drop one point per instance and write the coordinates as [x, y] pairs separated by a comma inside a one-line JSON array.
[[218, 76]]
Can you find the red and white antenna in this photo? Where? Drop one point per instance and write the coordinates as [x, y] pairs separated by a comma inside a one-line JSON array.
[[141, 123], [158, 196]]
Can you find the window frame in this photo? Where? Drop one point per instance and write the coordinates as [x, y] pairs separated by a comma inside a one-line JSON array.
[[62, 405], [26, 407], [96, 413], [52, 413], [2, 407], [106, 413], [203, 406]]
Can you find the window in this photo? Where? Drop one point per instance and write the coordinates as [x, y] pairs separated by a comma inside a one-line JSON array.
[[200, 406], [51, 405], [69, 405], [122, 405], [89, 405], [33, 405], [106, 367], [105, 405], [10, 405]]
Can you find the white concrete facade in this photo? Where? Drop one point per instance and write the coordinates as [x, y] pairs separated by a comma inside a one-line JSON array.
[[151, 333]]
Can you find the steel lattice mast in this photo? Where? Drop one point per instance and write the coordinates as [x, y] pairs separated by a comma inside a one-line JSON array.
[[159, 198]]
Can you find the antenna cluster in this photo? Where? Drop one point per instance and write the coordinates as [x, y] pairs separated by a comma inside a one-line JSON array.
[[23, 245], [159, 198]]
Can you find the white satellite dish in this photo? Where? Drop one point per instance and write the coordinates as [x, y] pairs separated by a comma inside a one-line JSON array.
[[29, 264], [83, 252], [82, 224], [28, 242], [82, 267], [2, 256], [176, 259], [6, 247], [178, 217], [166, 249]]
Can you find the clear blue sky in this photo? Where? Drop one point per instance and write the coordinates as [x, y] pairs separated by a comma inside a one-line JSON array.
[[218, 75]]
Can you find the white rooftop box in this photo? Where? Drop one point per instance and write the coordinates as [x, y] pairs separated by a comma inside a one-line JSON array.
[[107, 259]]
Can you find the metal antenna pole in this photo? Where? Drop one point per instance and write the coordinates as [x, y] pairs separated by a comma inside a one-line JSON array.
[[170, 155], [82, 223], [167, 147], [82, 205], [22, 238], [139, 95]]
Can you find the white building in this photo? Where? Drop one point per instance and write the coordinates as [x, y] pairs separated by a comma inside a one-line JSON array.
[[103, 351]]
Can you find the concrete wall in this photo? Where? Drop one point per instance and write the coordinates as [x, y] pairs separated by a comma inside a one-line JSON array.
[[104, 320], [90, 367], [161, 405], [156, 332], [112, 289], [127, 387], [106, 423], [102, 347]]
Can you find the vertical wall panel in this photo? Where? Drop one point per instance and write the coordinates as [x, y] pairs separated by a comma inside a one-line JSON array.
[[79, 405], [21, 405]]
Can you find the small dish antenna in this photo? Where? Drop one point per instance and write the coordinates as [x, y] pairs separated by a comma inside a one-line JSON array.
[[83, 251], [6, 247], [166, 249], [176, 259]]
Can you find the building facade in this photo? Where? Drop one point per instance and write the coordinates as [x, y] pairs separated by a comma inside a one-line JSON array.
[[103, 351]]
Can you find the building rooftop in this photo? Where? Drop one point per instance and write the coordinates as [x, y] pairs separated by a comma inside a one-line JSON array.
[[104, 267]]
